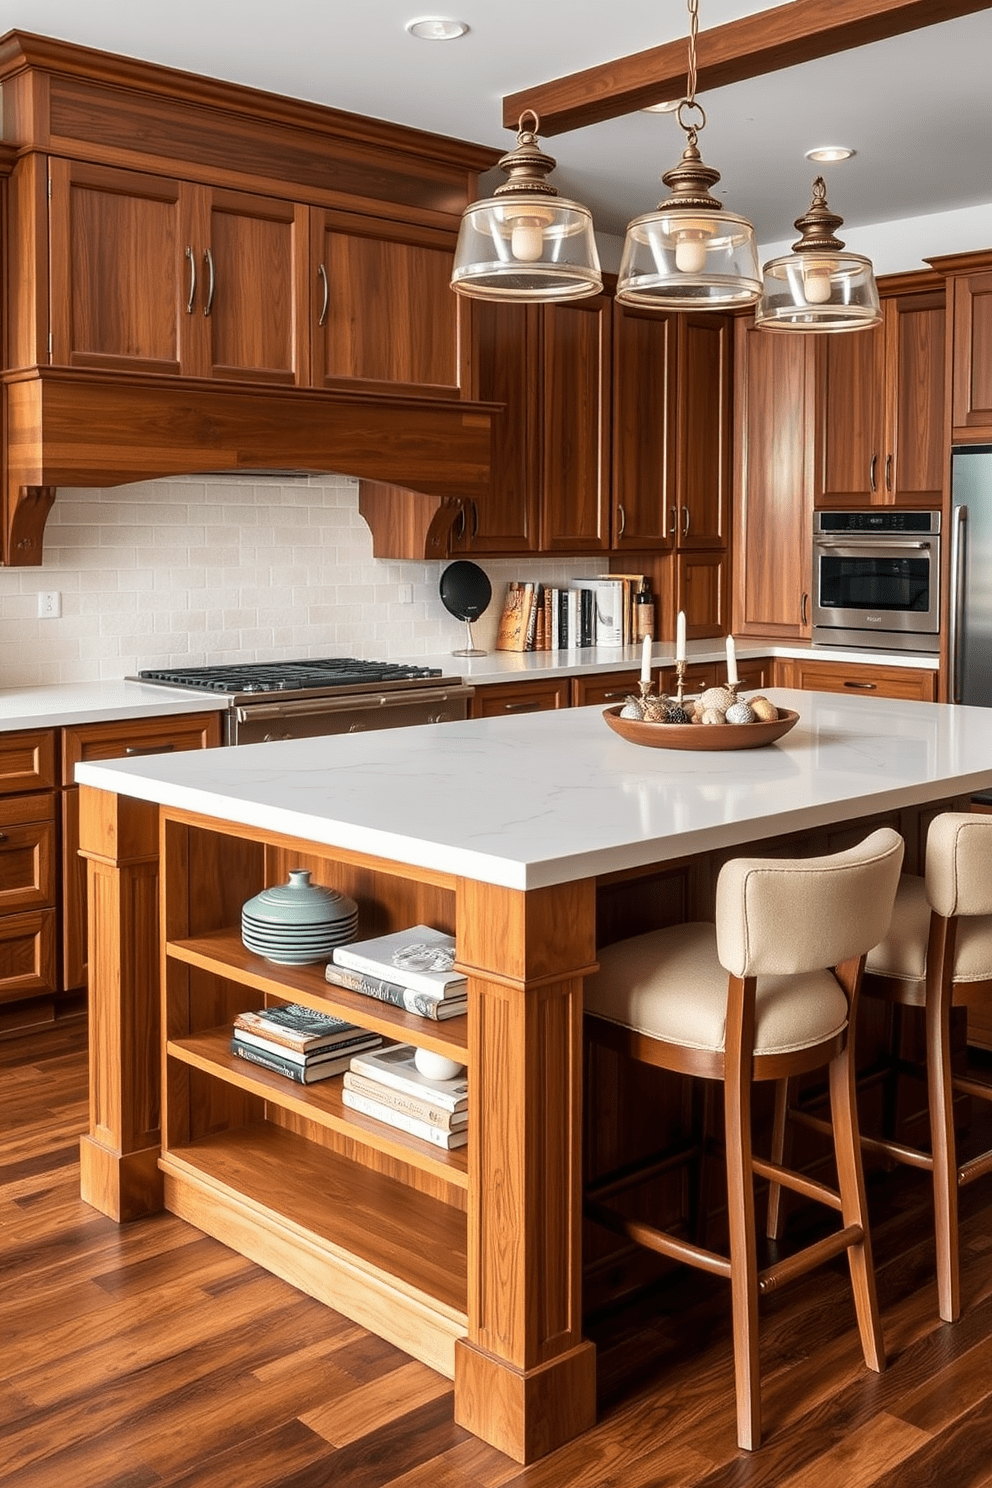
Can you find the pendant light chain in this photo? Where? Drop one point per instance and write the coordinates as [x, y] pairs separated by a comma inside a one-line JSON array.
[[690, 97]]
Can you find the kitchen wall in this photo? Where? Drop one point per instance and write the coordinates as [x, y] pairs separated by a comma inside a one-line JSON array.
[[221, 568]]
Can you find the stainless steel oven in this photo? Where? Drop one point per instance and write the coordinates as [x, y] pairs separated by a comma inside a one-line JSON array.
[[876, 579], [310, 698]]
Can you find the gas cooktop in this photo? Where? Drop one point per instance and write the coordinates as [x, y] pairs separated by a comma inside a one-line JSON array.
[[289, 676]]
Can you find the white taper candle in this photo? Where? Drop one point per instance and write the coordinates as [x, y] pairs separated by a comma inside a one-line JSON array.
[[680, 636], [646, 660], [732, 676]]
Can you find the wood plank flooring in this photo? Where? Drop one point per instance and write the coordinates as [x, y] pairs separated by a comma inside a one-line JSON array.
[[149, 1355]]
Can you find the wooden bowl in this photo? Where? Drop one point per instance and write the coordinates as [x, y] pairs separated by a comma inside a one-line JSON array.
[[700, 735]]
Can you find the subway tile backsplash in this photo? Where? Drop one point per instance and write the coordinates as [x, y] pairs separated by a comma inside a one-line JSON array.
[[204, 569]]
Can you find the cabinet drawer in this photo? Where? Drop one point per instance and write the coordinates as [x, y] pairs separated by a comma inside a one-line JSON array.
[[604, 687], [123, 737], [915, 684], [697, 677], [27, 761], [27, 954], [505, 698], [27, 858]]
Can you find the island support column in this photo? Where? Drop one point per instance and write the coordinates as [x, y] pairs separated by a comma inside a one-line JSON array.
[[119, 1172], [525, 1379]]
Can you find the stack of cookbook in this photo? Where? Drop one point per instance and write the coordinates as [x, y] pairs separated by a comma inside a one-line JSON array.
[[412, 969], [299, 1042], [387, 1085]]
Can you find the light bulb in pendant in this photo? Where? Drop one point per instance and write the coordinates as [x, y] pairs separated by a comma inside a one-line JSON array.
[[817, 286], [527, 239], [690, 250]]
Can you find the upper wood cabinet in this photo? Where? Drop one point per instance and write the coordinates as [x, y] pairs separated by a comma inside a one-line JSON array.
[[773, 505], [153, 274], [575, 422], [880, 408], [703, 462], [969, 287], [645, 424]]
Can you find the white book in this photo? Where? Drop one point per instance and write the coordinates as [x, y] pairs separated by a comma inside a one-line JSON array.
[[608, 609], [395, 958], [402, 1122], [394, 1065], [572, 639]]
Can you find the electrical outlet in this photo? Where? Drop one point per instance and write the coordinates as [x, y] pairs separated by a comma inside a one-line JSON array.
[[50, 604], [406, 593]]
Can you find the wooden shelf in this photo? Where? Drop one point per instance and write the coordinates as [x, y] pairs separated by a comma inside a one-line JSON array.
[[321, 1102], [222, 953], [414, 1241]]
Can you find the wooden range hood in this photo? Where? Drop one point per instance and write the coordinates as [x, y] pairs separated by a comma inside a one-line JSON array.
[[76, 415]]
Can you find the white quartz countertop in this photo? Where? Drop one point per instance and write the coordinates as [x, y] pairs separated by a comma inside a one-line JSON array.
[[545, 798], [96, 702]]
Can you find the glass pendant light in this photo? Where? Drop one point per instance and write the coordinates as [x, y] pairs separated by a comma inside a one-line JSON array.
[[818, 287], [525, 242], [690, 254]]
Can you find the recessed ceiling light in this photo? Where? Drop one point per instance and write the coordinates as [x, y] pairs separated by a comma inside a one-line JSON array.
[[824, 154], [668, 107], [436, 28]]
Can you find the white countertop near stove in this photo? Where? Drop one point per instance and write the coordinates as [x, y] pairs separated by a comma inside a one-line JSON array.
[[96, 702], [546, 798]]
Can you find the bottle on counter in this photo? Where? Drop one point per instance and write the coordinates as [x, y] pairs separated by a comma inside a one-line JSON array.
[[644, 611]]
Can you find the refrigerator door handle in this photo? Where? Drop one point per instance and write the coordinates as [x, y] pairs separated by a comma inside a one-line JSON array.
[[956, 607]]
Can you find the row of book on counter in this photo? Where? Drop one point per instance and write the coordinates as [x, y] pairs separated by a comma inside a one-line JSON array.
[[601, 611], [411, 1089]]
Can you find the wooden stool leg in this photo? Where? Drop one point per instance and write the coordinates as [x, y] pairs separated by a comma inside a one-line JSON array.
[[854, 1209], [743, 1256], [773, 1223], [941, 1097]]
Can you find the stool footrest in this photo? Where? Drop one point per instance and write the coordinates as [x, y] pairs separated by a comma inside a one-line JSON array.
[[912, 1156], [808, 1187], [658, 1240], [976, 1168], [810, 1257]]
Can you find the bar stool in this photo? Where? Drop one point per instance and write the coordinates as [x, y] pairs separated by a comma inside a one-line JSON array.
[[770, 991], [938, 955]]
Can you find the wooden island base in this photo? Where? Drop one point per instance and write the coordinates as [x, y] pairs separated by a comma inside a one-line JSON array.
[[470, 1260]]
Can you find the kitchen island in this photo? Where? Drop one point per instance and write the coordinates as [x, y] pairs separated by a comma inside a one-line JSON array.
[[531, 838]]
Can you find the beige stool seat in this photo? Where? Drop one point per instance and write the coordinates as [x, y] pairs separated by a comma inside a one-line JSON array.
[[767, 992], [938, 955]]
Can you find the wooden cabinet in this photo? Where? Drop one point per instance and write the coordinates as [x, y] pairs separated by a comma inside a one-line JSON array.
[[28, 845], [970, 290], [154, 274], [100, 741], [384, 317], [703, 462], [575, 421], [881, 428], [525, 696], [773, 504], [869, 679], [604, 688], [645, 423]]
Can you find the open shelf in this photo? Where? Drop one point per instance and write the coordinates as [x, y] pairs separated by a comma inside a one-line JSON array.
[[223, 953], [402, 1238], [321, 1102]]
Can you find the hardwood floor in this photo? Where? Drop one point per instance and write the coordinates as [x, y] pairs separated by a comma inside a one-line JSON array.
[[150, 1355]]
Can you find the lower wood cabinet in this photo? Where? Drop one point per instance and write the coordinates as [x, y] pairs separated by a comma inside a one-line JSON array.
[[917, 684], [530, 696]]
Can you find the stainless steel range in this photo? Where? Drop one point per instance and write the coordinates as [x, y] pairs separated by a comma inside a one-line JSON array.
[[308, 698]]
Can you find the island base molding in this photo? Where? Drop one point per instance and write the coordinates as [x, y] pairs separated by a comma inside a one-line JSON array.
[[122, 1185], [525, 1413]]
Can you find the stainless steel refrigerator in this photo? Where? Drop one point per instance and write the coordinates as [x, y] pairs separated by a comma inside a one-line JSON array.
[[971, 576]]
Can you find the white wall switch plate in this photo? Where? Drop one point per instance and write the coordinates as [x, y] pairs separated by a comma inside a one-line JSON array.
[[50, 604]]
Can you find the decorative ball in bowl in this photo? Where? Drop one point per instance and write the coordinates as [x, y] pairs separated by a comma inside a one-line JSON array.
[[714, 728]]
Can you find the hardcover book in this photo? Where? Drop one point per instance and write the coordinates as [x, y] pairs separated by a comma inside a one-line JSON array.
[[296, 1027], [422, 1108], [402, 1122], [515, 618], [393, 1065], [425, 1004], [408, 957], [302, 1074], [360, 1039]]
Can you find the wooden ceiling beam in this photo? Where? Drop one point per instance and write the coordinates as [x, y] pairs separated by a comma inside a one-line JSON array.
[[754, 45]]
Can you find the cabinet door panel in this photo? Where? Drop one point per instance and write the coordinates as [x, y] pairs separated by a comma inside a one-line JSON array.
[[972, 358], [118, 241], [916, 457], [850, 460], [704, 430], [575, 463], [251, 317], [644, 423], [774, 505], [505, 698], [27, 954], [703, 593], [914, 683], [390, 315]]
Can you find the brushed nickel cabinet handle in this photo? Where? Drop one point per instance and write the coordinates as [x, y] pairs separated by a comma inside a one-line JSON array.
[[3, 836], [862, 686], [685, 521], [192, 280], [322, 318], [211, 282], [888, 472], [675, 519], [623, 518], [475, 519], [871, 474], [804, 609], [133, 749], [522, 707]]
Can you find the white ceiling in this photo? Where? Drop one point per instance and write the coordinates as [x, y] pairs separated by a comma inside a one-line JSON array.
[[918, 109]]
